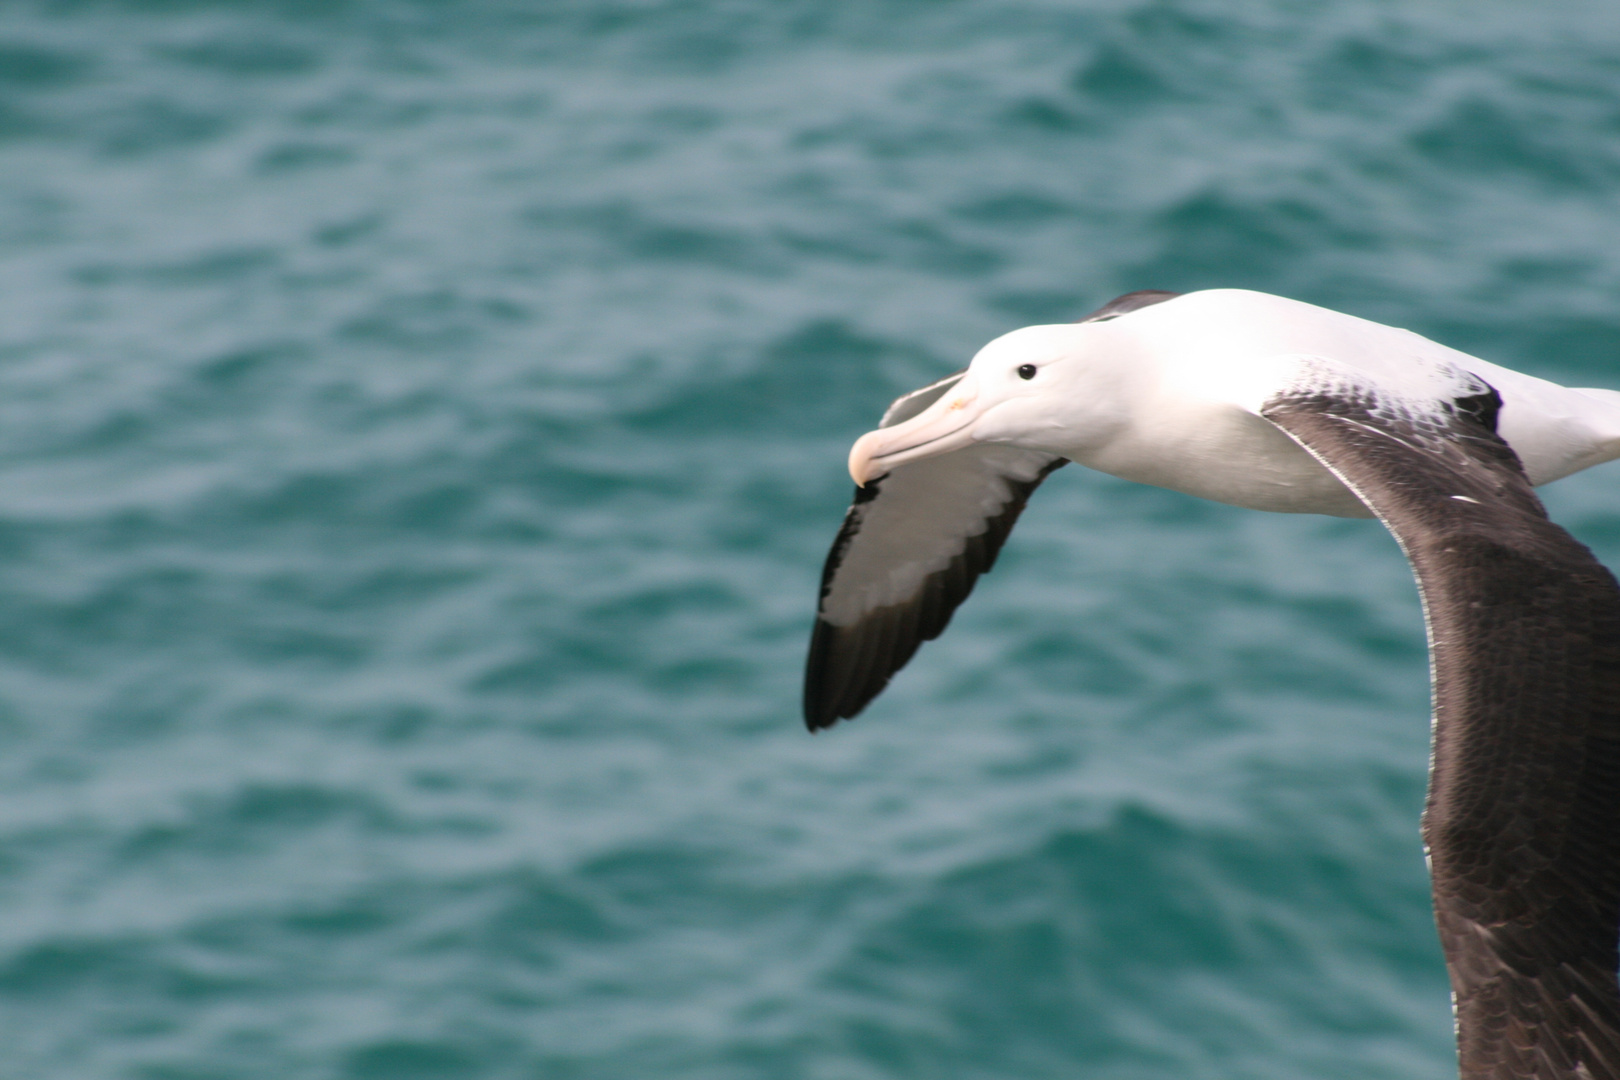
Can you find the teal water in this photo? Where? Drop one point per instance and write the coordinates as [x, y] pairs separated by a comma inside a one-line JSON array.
[[421, 426]]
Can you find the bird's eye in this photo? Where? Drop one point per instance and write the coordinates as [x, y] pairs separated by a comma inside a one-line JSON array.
[[1026, 371]]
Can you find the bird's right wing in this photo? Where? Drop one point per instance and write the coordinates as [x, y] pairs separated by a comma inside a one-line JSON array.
[[1523, 817], [913, 543]]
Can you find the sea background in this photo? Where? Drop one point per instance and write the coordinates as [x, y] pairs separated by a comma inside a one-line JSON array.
[[421, 428]]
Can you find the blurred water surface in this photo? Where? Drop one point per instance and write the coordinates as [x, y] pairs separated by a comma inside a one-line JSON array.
[[421, 426]]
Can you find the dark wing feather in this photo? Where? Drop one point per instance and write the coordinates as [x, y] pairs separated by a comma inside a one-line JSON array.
[[1131, 301], [912, 545], [1523, 816]]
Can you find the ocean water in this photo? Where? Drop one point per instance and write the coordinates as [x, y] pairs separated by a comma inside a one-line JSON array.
[[421, 427]]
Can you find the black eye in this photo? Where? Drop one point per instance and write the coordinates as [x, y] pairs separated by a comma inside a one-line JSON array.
[[1026, 371]]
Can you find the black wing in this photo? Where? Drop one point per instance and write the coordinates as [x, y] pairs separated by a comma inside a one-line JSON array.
[[912, 545], [1523, 817]]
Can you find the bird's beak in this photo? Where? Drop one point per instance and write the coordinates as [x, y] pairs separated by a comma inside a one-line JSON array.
[[944, 426]]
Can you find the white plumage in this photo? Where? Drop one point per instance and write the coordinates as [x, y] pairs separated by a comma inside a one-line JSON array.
[[1171, 394]]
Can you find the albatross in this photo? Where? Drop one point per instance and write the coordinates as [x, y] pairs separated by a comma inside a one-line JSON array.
[[1274, 404]]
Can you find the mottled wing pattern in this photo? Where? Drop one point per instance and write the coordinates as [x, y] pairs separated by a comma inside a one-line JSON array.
[[1523, 816]]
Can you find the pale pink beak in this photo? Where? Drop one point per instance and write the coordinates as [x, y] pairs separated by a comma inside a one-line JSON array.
[[944, 426]]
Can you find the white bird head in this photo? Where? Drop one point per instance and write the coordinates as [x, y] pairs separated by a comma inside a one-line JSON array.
[[1039, 388]]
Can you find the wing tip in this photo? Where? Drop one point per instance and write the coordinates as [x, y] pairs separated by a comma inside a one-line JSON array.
[[819, 709], [831, 693], [849, 666]]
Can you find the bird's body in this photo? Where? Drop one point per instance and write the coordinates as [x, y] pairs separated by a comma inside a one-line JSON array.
[[1179, 405], [1276, 405]]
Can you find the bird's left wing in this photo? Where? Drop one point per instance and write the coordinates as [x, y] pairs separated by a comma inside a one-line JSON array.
[[1523, 818], [912, 545]]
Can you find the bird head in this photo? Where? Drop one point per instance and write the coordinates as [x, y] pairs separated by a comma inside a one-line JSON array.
[[1039, 388]]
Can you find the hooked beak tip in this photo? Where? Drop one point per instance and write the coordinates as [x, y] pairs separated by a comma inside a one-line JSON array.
[[942, 427], [860, 458]]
